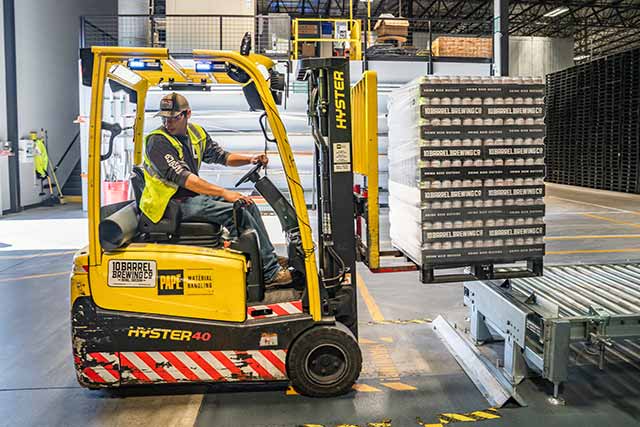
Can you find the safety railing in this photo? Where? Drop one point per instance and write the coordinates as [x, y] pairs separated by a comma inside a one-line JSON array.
[[183, 33], [396, 38], [321, 37], [391, 38], [364, 112]]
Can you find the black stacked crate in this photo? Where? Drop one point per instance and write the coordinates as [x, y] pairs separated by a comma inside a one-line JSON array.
[[593, 124]]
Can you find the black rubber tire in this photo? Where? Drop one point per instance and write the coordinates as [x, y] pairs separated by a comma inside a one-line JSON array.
[[324, 361]]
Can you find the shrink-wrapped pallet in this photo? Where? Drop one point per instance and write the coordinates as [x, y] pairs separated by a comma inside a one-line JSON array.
[[466, 171]]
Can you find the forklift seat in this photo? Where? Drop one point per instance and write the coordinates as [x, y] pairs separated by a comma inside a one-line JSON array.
[[170, 228]]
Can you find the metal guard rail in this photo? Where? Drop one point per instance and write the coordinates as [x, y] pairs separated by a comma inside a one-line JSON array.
[[354, 40]]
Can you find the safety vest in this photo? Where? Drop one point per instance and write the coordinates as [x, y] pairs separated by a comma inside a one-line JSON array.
[[157, 190], [41, 158]]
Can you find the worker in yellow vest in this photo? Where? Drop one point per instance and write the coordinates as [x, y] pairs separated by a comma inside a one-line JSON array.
[[173, 155]]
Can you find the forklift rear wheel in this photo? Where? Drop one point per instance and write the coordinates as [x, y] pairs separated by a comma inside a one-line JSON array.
[[324, 361]]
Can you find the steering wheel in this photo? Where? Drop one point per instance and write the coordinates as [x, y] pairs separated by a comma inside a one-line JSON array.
[[249, 175]]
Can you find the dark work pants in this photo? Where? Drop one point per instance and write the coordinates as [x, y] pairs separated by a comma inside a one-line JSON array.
[[216, 210]]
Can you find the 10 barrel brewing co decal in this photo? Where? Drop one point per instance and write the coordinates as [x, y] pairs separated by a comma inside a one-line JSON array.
[[132, 274]]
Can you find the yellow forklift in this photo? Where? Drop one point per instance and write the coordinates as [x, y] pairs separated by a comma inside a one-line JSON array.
[[178, 302]]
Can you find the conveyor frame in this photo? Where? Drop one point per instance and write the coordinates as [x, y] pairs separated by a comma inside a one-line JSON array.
[[539, 318]]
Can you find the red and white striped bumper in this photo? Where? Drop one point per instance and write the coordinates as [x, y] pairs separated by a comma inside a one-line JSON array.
[[99, 368], [274, 310], [183, 366]]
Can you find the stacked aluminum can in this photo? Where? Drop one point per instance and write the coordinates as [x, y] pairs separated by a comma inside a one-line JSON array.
[[466, 171]]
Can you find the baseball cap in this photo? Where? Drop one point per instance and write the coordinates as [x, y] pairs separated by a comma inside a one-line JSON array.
[[173, 104]]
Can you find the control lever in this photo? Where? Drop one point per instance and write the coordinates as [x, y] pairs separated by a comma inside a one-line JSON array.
[[237, 206]]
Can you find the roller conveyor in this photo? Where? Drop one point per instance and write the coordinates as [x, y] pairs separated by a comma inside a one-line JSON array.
[[593, 309], [575, 288]]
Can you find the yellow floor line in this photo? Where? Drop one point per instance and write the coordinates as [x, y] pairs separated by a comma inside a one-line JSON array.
[[73, 199], [587, 237], [384, 423], [458, 418], [401, 322], [593, 251], [486, 415], [366, 388], [373, 308], [365, 341], [399, 386], [382, 361], [34, 276], [292, 391], [589, 204], [471, 417], [386, 339], [615, 221], [36, 255]]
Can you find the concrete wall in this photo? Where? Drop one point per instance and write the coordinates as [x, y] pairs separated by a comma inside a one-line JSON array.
[[539, 56], [133, 31], [3, 91], [211, 7], [184, 34], [47, 34]]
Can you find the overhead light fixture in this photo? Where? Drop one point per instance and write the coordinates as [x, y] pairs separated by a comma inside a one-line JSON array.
[[581, 57], [556, 12]]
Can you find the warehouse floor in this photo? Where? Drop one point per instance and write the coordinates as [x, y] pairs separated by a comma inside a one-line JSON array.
[[408, 377]]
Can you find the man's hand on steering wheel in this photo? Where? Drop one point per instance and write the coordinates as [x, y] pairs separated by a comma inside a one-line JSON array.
[[260, 158], [233, 196]]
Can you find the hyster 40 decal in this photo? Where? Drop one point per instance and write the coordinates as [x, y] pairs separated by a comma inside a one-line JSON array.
[[167, 334]]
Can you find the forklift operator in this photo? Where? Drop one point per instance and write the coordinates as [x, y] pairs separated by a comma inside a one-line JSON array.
[[173, 155]]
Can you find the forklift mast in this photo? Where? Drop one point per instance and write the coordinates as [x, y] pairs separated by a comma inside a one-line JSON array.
[[329, 111]]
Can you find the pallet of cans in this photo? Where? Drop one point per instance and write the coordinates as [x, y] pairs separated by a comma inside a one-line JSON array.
[[466, 176]]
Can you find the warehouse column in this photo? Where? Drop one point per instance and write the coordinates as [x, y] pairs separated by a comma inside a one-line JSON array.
[[12, 101], [501, 37]]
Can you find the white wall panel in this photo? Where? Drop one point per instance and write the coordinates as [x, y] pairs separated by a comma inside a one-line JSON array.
[[539, 56], [47, 70]]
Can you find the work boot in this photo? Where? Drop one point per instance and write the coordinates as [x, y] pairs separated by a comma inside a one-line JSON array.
[[281, 278], [283, 261]]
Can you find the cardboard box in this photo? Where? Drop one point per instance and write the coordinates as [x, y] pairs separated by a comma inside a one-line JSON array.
[[309, 30], [392, 27], [469, 47], [308, 50]]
